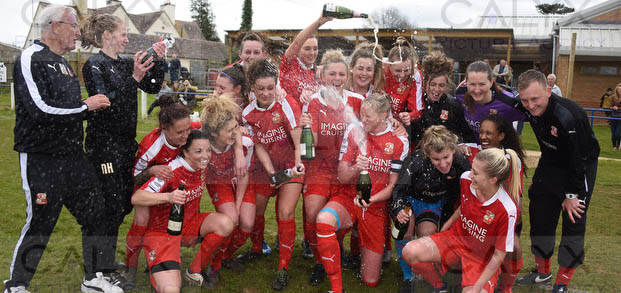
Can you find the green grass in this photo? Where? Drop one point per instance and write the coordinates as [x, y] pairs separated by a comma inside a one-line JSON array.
[[60, 268]]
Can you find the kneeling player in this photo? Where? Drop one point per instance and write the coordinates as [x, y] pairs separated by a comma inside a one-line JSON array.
[[163, 250]]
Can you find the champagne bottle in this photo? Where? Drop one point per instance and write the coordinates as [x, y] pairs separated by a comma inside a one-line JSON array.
[[363, 187], [282, 176], [169, 42], [399, 229], [335, 11], [307, 145], [175, 218]]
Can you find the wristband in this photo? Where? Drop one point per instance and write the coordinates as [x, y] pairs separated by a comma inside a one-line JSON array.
[[571, 195]]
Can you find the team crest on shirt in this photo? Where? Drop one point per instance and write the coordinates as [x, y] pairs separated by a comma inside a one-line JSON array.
[[275, 117], [493, 111], [489, 217], [152, 255], [389, 149], [554, 131], [41, 198], [444, 115], [63, 69]]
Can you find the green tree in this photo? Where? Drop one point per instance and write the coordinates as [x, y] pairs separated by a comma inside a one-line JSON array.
[[554, 8], [246, 24], [203, 16]]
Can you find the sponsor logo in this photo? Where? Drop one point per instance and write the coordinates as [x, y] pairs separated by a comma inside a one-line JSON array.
[[216, 198], [52, 66], [63, 69], [444, 115], [554, 131], [329, 258], [389, 149], [41, 199], [489, 217]]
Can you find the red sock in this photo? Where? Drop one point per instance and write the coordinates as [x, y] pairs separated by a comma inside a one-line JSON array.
[[310, 234], [510, 269], [370, 284], [564, 275], [211, 242], [216, 263], [286, 237], [257, 233], [304, 221], [543, 265], [133, 244], [328, 248], [237, 240], [354, 242], [427, 271]]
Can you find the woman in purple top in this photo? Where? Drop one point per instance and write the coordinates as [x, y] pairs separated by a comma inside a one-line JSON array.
[[481, 96]]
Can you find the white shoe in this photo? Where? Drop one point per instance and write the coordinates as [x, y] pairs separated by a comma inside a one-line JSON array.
[[193, 278], [18, 289], [99, 284]]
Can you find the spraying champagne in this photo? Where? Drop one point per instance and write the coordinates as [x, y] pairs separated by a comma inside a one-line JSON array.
[[168, 42]]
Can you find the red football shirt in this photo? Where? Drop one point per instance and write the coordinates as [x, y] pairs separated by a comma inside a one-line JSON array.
[[330, 124], [295, 77], [402, 93], [483, 227], [155, 150], [183, 174], [271, 128], [221, 168], [385, 151]]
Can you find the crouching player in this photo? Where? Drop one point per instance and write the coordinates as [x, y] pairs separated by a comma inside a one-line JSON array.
[[162, 250], [481, 231]]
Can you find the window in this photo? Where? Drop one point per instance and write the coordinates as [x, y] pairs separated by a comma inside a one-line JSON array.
[[608, 70], [589, 70], [165, 35]]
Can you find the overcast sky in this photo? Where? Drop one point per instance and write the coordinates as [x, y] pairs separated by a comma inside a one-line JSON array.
[[16, 15]]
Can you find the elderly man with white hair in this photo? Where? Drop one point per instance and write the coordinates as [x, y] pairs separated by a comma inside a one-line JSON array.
[[55, 172], [552, 84]]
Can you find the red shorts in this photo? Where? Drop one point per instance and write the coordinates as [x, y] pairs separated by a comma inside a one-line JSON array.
[[223, 193], [326, 185], [371, 223], [261, 183], [456, 255], [160, 247]]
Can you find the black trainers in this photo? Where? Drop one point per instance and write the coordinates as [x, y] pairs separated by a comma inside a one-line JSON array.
[[534, 277], [115, 278], [248, 256], [209, 282], [351, 262], [281, 281], [318, 275], [444, 289], [277, 245], [233, 265], [407, 286], [560, 288], [307, 252]]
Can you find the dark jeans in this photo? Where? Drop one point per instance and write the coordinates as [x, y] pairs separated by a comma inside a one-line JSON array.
[[615, 130]]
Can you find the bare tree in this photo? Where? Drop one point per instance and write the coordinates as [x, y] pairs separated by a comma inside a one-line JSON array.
[[390, 17]]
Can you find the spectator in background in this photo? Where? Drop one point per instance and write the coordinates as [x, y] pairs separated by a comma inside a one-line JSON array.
[[164, 90], [552, 84], [174, 66], [188, 98], [615, 125], [605, 101], [502, 72]]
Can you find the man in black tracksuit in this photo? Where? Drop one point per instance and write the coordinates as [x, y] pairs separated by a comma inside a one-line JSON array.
[[111, 133], [48, 134], [563, 181]]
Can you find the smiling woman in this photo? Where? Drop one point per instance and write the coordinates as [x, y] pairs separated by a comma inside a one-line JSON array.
[[111, 133]]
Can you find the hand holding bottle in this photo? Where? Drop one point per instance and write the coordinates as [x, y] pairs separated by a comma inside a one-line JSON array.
[[306, 119], [177, 197], [362, 162], [404, 215]]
